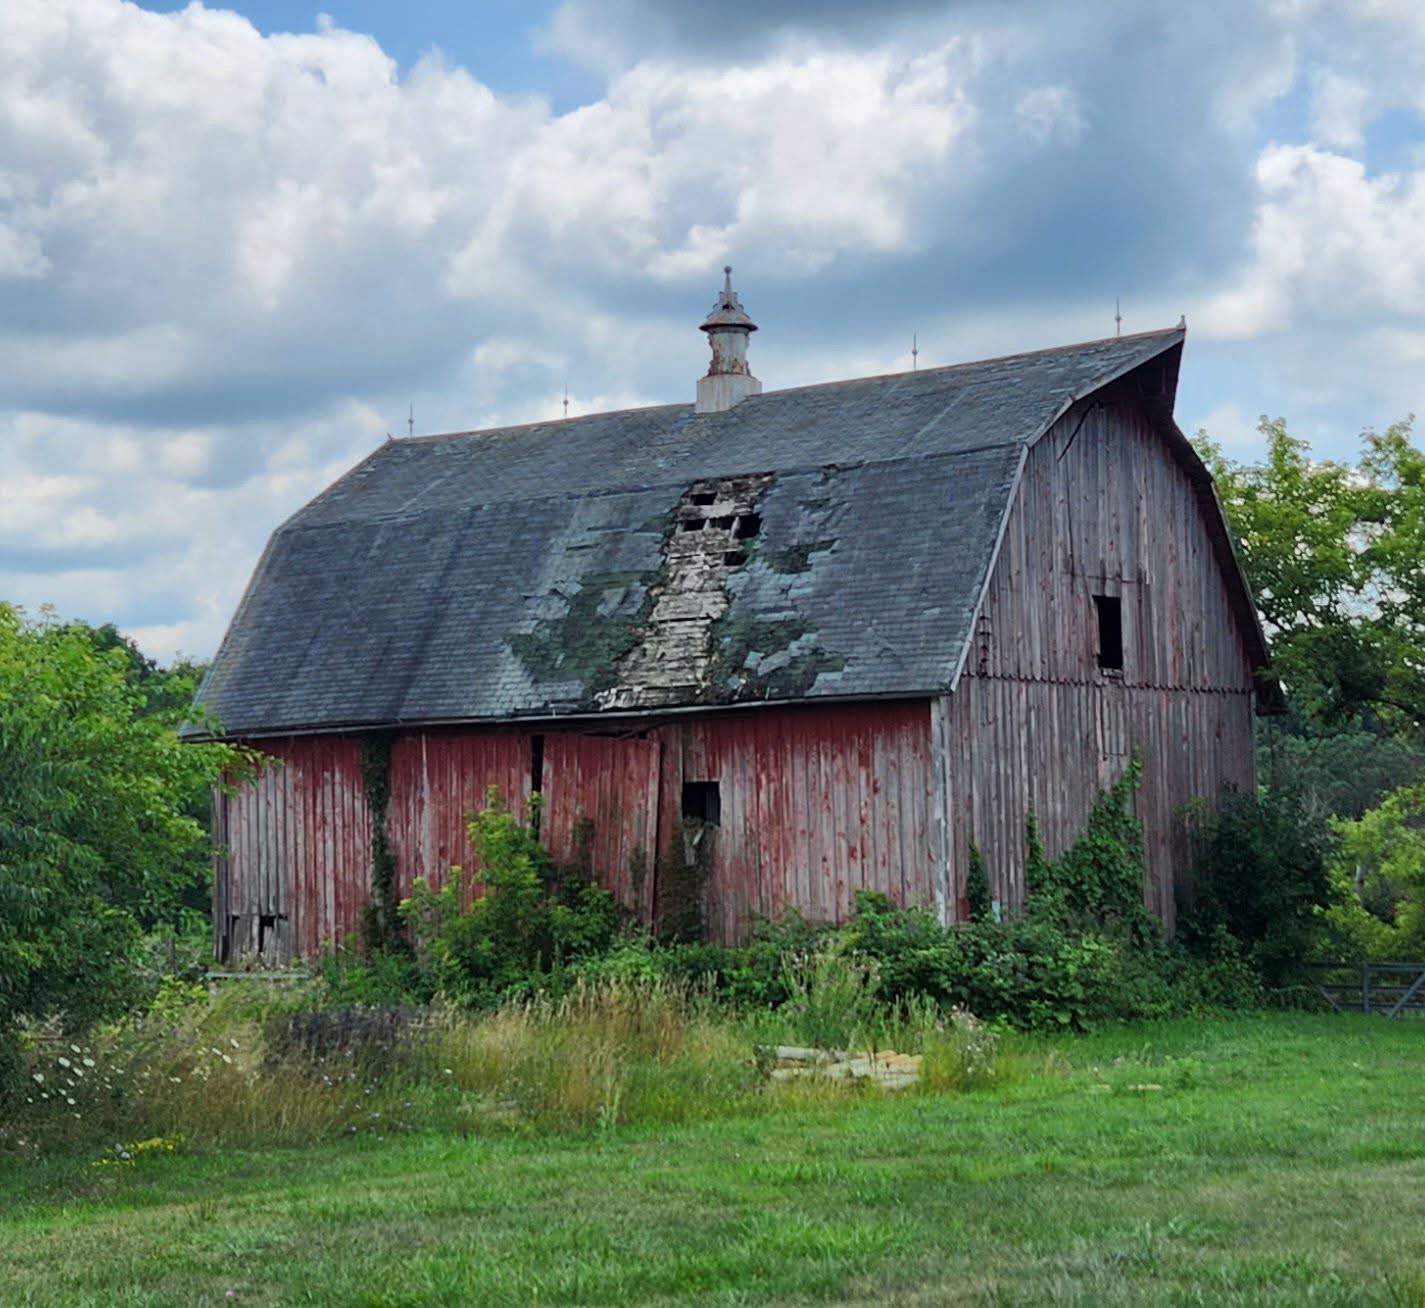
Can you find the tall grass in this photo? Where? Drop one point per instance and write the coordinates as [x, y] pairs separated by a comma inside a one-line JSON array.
[[239, 1071]]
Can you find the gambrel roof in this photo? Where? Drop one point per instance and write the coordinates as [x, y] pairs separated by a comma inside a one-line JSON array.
[[822, 541]]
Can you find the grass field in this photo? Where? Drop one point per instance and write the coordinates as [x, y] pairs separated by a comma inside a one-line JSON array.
[[1276, 1159]]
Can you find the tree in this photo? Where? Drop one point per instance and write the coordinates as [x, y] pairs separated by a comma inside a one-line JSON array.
[[94, 832], [1335, 554]]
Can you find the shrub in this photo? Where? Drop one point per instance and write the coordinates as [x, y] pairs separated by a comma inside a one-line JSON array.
[[977, 887], [1259, 878], [529, 922]]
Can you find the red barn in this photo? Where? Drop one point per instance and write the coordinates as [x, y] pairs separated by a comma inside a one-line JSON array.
[[841, 631]]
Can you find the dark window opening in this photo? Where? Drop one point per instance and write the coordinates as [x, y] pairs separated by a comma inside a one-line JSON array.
[[748, 525], [724, 524], [536, 779], [267, 928], [705, 497], [702, 801], [734, 558], [694, 524], [1110, 632]]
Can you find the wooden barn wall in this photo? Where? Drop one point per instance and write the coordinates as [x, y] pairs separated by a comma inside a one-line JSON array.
[[817, 803], [1103, 510], [437, 780], [297, 865], [601, 810]]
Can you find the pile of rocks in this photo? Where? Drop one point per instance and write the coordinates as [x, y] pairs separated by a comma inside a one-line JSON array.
[[885, 1067]]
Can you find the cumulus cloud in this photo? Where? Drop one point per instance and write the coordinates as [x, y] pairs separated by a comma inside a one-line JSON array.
[[228, 260], [1328, 238]]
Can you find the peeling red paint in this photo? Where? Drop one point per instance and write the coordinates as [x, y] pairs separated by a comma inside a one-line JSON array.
[[816, 804]]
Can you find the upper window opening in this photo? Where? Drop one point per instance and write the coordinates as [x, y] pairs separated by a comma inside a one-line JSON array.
[[702, 801], [694, 524], [1109, 609], [704, 497], [748, 525]]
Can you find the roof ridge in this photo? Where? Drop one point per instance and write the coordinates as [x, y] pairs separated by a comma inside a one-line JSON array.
[[753, 400]]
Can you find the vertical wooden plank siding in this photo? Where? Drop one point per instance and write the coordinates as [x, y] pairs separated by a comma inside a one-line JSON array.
[[438, 779], [602, 811], [817, 803], [298, 849], [1103, 509]]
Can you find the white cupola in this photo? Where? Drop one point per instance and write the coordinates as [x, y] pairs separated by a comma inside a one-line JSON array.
[[728, 379]]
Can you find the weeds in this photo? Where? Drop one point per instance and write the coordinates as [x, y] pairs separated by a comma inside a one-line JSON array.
[[244, 1071]]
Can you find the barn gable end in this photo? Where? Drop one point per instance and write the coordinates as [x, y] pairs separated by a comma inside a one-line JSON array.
[[1108, 540]]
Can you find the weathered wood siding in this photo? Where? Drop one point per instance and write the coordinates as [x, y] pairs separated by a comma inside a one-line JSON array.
[[1103, 509], [601, 811], [437, 780], [297, 866], [816, 803]]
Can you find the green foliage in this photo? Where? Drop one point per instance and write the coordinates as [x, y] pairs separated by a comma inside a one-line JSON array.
[[1377, 873], [1335, 554], [1344, 771], [1097, 884], [96, 830], [832, 996], [977, 887], [530, 921], [1259, 878]]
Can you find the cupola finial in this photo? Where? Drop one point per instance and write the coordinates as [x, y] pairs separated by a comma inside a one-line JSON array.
[[728, 378]]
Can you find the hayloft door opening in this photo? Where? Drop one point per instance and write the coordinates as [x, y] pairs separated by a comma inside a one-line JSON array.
[[702, 801], [1109, 609]]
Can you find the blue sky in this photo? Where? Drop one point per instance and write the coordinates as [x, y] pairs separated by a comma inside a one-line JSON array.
[[237, 242]]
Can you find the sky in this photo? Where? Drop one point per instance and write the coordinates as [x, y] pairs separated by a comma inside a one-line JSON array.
[[240, 246]]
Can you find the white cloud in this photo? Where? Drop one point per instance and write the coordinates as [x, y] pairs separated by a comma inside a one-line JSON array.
[[1329, 238], [227, 261]]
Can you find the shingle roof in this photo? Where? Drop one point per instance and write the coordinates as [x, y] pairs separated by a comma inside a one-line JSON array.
[[514, 572]]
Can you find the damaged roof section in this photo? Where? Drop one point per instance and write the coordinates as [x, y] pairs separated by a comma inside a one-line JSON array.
[[826, 541]]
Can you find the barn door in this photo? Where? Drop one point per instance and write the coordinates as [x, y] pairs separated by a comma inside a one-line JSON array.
[[601, 811]]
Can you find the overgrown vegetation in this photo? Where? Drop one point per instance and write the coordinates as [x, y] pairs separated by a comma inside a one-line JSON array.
[[1335, 553], [531, 922], [1083, 949], [98, 833]]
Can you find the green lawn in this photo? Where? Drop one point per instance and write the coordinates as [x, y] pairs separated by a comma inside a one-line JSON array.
[[1279, 1160]]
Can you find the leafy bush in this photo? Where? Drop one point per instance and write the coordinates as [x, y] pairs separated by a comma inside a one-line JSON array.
[[1259, 878], [1377, 873], [530, 921]]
